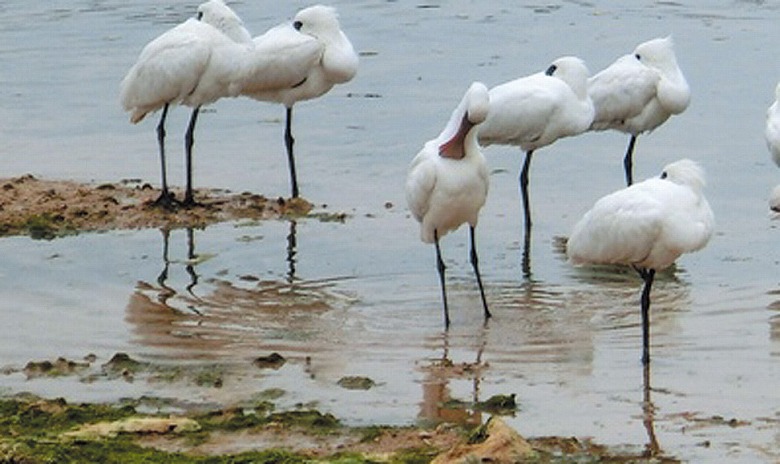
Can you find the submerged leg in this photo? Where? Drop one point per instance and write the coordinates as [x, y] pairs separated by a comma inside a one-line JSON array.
[[524, 190], [628, 163], [189, 140], [288, 142], [165, 199], [525, 263], [475, 265], [647, 275], [441, 267]]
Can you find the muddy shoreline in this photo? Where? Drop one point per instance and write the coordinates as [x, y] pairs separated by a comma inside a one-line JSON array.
[[149, 429], [45, 209]]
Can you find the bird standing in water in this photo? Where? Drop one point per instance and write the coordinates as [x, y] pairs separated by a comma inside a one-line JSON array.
[[647, 226], [535, 111], [447, 182]]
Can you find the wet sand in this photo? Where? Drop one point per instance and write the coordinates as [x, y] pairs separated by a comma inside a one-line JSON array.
[[48, 208]]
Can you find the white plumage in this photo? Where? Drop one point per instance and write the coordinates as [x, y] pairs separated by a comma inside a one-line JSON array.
[[639, 92], [772, 136], [535, 111], [647, 226], [194, 63], [299, 61], [447, 182]]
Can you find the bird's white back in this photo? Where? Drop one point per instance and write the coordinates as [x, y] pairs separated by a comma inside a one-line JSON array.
[[535, 111], [641, 90], [649, 224], [194, 63], [300, 60]]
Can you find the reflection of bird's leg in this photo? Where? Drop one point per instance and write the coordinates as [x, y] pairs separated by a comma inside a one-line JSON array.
[[189, 139], [292, 246], [441, 267], [162, 278], [165, 199], [653, 448], [628, 163], [475, 265], [190, 268], [647, 275], [289, 141], [478, 366], [191, 255]]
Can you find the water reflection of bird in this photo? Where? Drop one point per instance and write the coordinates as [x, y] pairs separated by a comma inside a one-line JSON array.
[[772, 136], [167, 291], [448, 182], [652, 448], [647, 226], [212, 315], [437, 404], [638, 92], [292, 251], [535, 111], [192, 64], [299, 61], [774, 322]]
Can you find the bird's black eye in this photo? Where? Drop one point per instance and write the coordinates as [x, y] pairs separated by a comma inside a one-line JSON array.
[[200, 15], [297, 25], [664, 175], [551, 70], [638, 56]]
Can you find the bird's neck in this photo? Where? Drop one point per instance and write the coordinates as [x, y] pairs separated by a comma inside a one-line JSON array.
[[457, 146]]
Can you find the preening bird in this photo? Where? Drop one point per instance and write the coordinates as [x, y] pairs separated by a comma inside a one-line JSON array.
[[535, 111], [194, 63], [638, 92], [447, 182], [647, 226], [772, 135], [299, 61]]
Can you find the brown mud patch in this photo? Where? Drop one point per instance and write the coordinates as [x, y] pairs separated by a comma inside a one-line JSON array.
[[50, 208]]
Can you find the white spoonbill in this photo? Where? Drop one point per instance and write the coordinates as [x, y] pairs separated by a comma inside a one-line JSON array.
[[194, 63], [772, 135], [299, 61], [647, 225], [448, 182], [536, 110], [638, 92]]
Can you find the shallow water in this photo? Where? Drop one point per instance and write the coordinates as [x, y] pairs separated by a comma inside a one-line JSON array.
[[362, 298]]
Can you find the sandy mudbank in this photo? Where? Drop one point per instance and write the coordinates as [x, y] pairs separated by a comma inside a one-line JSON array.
[[50, 208]]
